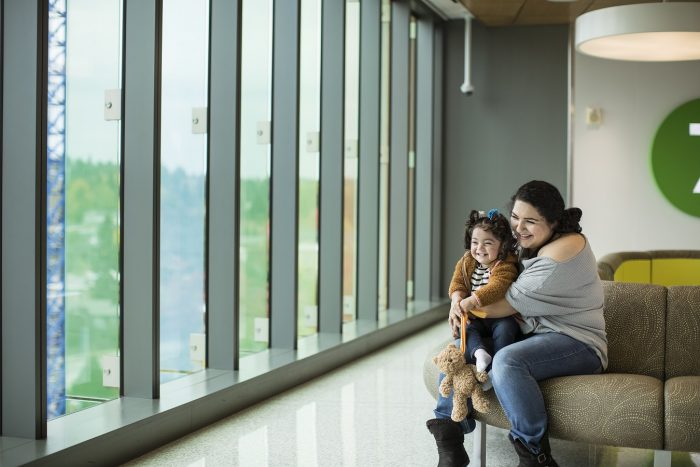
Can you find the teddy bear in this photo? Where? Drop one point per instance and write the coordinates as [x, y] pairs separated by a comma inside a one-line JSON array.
[[463, 379]]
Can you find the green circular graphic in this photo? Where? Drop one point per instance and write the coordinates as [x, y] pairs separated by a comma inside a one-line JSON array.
[[675, 157]]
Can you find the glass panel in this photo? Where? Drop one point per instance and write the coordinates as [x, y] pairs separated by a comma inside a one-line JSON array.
[[256, 78], [83, 205], [411, 156], [309, 123], [352, 94], [182, 187], [384, 135]]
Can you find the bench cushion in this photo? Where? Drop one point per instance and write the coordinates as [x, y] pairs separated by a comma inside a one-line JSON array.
[[683, 329], [682, 399], [609, 409], [635, 323]]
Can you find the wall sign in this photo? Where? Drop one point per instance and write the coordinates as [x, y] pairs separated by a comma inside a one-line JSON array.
[[675, 157]]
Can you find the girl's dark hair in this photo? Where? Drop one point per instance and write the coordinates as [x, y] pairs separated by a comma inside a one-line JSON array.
[[549, 203], [493, 222]]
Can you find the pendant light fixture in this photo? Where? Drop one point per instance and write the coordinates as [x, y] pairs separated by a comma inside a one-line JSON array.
[[647, 32]]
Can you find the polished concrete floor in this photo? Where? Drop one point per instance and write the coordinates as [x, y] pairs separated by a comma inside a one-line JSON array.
[[369, 413]]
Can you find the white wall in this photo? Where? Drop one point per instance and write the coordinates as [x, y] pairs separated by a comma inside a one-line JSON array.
[[612, 182]]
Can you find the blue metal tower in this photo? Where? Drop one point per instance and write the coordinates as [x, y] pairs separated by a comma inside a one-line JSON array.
[[55, 222]]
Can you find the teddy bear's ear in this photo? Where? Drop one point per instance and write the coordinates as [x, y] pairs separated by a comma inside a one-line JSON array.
[[452, 346], [435, 360]]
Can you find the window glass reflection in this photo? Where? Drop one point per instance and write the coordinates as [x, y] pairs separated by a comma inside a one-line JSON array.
[[182, 186]]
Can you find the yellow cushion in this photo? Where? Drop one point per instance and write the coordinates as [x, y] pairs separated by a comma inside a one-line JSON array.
[[634, 270], [660, 271], [675, 271]]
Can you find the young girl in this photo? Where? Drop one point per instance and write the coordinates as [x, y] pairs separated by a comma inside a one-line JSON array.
[[483, 276]]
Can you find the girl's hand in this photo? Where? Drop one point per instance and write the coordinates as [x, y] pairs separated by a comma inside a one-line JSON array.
[[467, 304]]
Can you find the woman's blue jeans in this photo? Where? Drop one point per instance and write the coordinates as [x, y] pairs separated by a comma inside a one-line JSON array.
[[515, 371], [518, 367]]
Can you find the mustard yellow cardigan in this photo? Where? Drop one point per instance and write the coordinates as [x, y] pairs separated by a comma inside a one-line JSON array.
[[503, 273]]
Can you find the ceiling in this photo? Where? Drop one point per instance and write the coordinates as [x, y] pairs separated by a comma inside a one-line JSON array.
[[536, 12]]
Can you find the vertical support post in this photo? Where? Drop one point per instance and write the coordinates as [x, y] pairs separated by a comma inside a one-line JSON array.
[[436, 288], [479, 447], [284, 206], [368, 184], [141, 196], [424, 162], [330, 275], [25, 25], [223, 188], [662, 458], [398, 169]]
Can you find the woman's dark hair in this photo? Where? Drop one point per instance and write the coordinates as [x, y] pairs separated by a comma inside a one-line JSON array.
[[549, 203], [495, 223]]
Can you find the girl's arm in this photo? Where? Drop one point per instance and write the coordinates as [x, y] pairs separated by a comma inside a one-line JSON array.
[[501, 277]]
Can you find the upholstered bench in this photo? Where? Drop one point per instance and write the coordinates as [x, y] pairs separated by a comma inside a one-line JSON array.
[[649, 396]]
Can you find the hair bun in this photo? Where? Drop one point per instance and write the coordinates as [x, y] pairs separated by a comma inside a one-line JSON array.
[[570, 219]]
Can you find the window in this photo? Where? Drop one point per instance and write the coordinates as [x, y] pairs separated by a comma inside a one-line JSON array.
[[182, 186], [412, 48], [83, 204], [309, 140], [255, 134], [352, 90]]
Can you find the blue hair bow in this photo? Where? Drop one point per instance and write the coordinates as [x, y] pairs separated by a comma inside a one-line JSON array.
[[492, 213]]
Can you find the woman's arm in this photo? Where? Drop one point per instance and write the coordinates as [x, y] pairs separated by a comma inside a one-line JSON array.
[[456, 312], [499, 309]]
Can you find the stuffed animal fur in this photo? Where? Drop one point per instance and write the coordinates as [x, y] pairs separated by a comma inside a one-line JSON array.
[[463, 379]]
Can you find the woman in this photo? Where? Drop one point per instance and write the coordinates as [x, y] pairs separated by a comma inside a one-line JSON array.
[[560, 299]]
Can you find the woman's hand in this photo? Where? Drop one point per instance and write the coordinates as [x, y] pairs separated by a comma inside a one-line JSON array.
[[455, 317]]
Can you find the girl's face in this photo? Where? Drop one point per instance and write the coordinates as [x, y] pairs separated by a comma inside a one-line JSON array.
[[531, 229], [484, 246]]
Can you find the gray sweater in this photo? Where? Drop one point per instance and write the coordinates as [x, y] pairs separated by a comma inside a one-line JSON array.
[[564, 297]]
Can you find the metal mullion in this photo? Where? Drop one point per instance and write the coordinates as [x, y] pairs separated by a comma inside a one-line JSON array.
[[368, 179], [25, 43], [284, 195], [424, 160], [223, 187], [436, 288], [398, 165], [330, 277], [141, 202]]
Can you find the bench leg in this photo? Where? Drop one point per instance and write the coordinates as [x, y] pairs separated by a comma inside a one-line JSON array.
[[662, 458], [479, 457]]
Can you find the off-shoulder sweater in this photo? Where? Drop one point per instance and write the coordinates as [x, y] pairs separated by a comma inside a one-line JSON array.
[[501, 275], [564, 297]]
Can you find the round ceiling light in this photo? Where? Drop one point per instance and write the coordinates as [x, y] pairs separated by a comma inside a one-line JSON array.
[[647, 32]]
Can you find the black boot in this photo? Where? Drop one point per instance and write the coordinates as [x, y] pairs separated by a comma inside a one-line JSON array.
[[450, 442], [528, 459]]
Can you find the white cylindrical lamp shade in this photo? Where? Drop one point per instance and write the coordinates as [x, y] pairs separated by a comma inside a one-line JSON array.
[[649, 32]]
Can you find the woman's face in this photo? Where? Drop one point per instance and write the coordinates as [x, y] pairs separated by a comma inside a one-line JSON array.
[[531, 229]]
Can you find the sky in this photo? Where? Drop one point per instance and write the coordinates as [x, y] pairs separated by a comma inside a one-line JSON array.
[[94, 65]]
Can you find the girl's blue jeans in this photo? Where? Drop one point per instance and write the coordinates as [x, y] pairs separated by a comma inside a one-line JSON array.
[[515, 371]]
